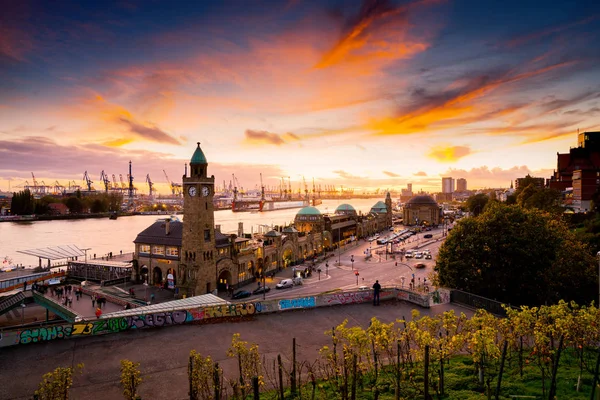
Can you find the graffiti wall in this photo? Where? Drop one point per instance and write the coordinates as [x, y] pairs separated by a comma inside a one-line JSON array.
[[219, 312], [440, 296]]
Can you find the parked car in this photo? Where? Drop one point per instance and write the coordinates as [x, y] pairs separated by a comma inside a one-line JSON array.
[[242, 294], [428, 236], [418, 254], [420, 265], [284, 284], [261, 290], [428, 256]]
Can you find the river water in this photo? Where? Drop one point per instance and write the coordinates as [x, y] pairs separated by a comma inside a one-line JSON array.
[[104, 235]]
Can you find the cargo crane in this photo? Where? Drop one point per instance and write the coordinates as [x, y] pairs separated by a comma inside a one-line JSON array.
[[305, 189], [175, 187], [150, 184], [131, 188], [115, 184], [58, 188], [88, 181], [123, 187], [105, 180]]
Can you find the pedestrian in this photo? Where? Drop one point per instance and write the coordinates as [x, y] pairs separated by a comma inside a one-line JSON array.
[[93, 300], [376, 290], [151, 298], [98, 313]]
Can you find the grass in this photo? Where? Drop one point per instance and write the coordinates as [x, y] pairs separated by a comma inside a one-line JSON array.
[[461, 383]]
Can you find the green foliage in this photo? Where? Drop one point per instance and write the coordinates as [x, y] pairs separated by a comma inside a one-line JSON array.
[[249, 363], [130, 379], [22, 203], [55, 385], [201, 372], [518, 256], [476, 203], [75, 204]]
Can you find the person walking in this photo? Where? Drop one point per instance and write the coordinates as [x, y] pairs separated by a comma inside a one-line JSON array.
[[93, 300], [376, 290]]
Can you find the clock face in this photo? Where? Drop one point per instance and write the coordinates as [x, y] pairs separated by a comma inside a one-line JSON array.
[[192, 191], [205, 191]]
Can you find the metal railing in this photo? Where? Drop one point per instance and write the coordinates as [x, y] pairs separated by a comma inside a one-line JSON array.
[[475, 301]]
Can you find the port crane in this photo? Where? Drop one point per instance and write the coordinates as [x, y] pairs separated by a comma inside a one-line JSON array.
[[123, 186], [150, 184], [88, 181], [175, 187], [58, 188], [115, 184], [105, 180]]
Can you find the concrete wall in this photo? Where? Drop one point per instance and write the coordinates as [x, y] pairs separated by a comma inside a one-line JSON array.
[[226, 312]]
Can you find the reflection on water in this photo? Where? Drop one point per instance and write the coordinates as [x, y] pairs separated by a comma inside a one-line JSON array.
[[105, 235]]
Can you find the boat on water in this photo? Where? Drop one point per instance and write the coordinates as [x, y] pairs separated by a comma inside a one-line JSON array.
[[260, 205], [7, 265]]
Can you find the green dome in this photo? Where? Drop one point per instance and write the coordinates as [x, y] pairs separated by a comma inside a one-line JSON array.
[[198, 157], [379, 207], [344, 207], [309, 211]]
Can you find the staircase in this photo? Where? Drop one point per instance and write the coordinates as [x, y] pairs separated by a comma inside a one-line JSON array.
[[10, 302]]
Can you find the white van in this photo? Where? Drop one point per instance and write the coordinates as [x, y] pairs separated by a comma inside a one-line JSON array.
[[284, 284]]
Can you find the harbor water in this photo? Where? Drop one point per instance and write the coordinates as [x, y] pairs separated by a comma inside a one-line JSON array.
[[104, 235]]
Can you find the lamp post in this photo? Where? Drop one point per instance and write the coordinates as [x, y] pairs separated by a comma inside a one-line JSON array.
[[23, 313], [356, 273], [86, 266], [319, 271], [598, 255], [352, 260]]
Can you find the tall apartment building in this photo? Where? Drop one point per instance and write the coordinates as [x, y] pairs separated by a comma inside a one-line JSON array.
[[461, 185], [447, 185]]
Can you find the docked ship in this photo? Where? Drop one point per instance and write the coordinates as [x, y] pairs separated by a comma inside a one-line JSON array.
[[262, 203]]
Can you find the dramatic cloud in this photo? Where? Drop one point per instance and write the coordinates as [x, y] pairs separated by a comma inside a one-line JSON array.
[[449, 154], [378, 31], [253, 137], [420, 173], [392, 174], [150, 133], [536, 36], [454, 102]]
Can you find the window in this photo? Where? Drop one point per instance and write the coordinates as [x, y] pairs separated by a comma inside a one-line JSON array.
[[144, 248], [158, 250], [207, 235], [172, 251]]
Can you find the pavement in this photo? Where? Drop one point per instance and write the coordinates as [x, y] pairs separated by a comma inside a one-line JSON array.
[[163, 352]]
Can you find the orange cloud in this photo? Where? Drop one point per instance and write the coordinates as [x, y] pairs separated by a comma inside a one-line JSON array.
[[454, 104], [378, 32], [253, 137], [449, 154]]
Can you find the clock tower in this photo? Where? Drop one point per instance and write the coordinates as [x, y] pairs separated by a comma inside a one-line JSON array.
[[197, 274]]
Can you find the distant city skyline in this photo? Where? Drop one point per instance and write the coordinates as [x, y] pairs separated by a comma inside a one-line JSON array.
[[364, 95]]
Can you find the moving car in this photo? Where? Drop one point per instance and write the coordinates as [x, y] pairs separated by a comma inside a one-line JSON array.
[[418, 254], [261, 290], [242, 294], [284, 284], [428, 236], [420, 265]]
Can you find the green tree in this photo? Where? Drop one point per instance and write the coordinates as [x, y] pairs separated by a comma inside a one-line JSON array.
[[75, 205], [519, 256], [56, 384], [22, 203], [476, 203], [130, 379]]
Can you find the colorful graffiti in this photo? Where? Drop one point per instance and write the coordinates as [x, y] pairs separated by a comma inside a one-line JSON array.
[[35, 335], [440, 296], [231, 310], [303, 302]]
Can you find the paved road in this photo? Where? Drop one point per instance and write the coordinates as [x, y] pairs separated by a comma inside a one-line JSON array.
[[163, 353]]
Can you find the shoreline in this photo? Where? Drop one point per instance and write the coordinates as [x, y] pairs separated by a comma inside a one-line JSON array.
[[34, 218]]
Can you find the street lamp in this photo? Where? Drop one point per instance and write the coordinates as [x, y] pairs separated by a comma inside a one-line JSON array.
[[598, 255], [356, 273], [23, 313], [319, 271], [352, 260]]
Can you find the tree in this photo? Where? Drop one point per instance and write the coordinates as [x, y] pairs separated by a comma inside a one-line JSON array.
[[476, 203], [519, 256], [74, 204], [130, 379], [22, 203], [56, 384]]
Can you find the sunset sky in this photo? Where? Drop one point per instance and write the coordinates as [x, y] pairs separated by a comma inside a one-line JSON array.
[[364, 94]]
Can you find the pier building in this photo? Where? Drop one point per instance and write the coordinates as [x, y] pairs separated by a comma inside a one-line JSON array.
[[193, 257]]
